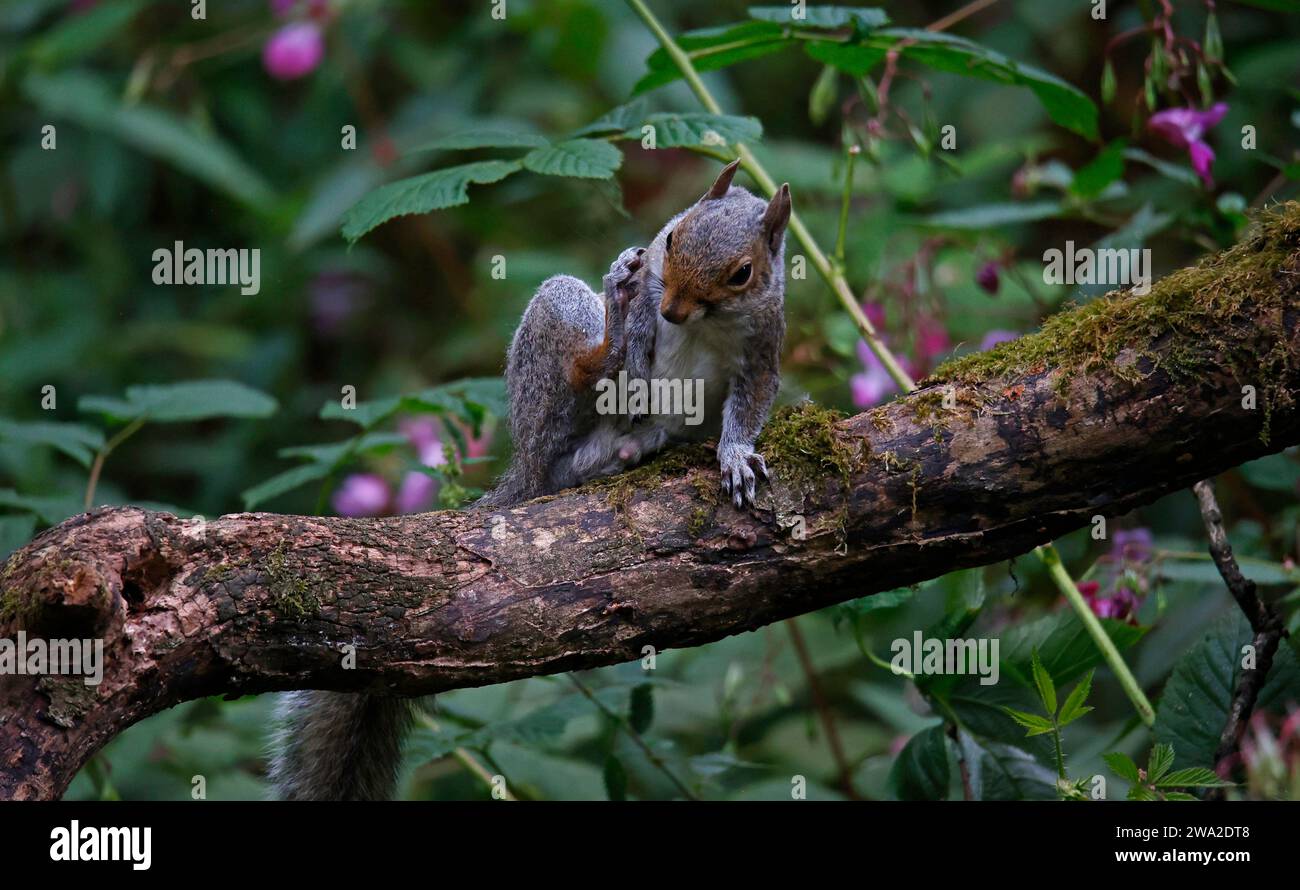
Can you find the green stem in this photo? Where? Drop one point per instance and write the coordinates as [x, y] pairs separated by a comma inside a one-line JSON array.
[[853, 152], [98, 466], [832, 275], [635, 736], [1047, 553]]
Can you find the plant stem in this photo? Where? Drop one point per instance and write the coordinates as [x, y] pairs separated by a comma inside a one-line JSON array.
[[833, 276], [635, 736], [98, 466], [853, 152], [466, 759], [1047, 553]]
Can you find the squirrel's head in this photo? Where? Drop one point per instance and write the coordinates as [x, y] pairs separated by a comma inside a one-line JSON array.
[[725, 249]]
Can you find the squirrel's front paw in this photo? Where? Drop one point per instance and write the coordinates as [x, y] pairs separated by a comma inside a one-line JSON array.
[[739, 465], [620, 275]]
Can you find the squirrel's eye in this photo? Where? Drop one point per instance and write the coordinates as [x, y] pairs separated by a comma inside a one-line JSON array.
[[741, 275]]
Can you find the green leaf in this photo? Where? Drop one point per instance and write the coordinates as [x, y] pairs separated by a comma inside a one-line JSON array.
[[1065, 104], [616, 120], [467, 139], [921, 770], [1108, 82], [86, 100], [1043, 683], [1158, 762], [1123, 766], [615, 779], [1261, 571], [1004, 772], [50, 509], [15, 531], [438, 190], [1064, 645], [1036, 724], [854, 59], [1092, 178], [76, 441], [1277, 472], [989, 216], [641, 707], [714, 48], [1184, 175], [80, 34], [824, 93], [700, 128], [583, 158], [282, 483], [861, 18], [1074, 707], [1194, 706], [1193, 777], [334, 454], [179, 402]]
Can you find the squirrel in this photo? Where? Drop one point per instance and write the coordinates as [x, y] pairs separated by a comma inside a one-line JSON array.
[[704, 301]]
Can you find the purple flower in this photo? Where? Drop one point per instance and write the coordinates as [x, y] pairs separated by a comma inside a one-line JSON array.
[[362, 494], [931, 339], [994, 337], [1132, 545], [294, 51], [870, 387], [987, 277], [1121, 605], [1184, 128], [416, 492], [423, 434]]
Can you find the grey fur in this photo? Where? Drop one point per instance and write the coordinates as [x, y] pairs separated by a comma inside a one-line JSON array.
[[348, 746], [338, 746]]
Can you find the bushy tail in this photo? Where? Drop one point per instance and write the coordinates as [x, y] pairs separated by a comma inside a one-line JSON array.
[[338, 746]]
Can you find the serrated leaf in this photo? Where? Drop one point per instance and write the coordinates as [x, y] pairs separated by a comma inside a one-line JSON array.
[[86, 100], [700, 128], [1193, 708], [713, 48], [1074, 706], [920, 771], [180, 402], [1035, 724], [438, 190], [861, 17], [641, 707], [1043, 683], [616, 120], [615, 777], [1158, 762], [582, 158], [1003, 772], [1123, 766], [469, 139], [1192, 777], [76, 441]]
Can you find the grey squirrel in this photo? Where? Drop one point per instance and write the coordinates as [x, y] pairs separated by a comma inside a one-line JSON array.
[[704, 301]]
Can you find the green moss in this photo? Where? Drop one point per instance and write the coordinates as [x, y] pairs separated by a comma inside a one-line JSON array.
[[290, 593], [70, 698], [1198, 305], [801, 443]]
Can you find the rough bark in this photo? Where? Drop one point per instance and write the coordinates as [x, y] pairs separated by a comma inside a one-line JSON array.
[[250, 603]]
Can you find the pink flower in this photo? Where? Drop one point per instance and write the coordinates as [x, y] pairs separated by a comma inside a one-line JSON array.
[[1132, 545], [362, 494], [416, 492], [294, 51], [1121, 605], [1184, 128], [870, 387], [932, 340], [423, 434], [994, 337], [987, 277]]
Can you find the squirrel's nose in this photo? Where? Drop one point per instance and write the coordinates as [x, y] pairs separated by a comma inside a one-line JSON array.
[[671, 309]]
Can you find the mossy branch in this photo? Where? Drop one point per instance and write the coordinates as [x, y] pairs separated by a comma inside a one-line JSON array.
[[1114, 405]]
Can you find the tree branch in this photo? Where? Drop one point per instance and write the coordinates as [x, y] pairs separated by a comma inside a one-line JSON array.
[[1111, 406]]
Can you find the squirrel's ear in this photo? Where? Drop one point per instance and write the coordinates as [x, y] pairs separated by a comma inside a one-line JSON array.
[[776, 216], [719, 188]]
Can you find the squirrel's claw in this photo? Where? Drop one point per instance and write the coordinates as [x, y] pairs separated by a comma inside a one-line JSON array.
[[740, 470]]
